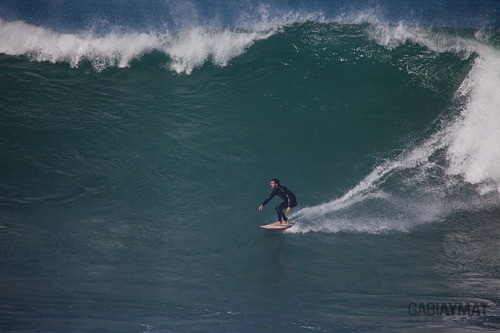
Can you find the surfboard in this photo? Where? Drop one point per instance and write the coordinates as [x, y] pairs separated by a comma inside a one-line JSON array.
[[277, 227]]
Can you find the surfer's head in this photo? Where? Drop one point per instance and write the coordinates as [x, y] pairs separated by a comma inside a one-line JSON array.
[[275, 183]]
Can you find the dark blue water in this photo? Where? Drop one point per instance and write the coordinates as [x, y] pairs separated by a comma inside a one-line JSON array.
[[138, 140]]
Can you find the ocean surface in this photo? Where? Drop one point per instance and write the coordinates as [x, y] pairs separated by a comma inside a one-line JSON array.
[[138, 139]]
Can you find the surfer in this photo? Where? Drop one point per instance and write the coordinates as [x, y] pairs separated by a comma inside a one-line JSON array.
[[289, 201]]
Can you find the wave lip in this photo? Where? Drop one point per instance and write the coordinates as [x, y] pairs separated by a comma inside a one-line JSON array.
[[43, 44], [193, 48], [186, 49], [193, 33]]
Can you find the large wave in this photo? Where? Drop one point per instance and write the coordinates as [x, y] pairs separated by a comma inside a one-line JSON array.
[[455, 169]]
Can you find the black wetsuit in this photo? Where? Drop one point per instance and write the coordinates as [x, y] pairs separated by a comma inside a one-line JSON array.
[[289, 200]]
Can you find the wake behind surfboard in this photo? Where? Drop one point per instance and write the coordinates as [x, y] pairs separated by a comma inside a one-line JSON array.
[[273, 226]]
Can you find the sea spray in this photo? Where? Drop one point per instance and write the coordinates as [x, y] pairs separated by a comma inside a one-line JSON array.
[[43, 44], [193, 48], [187, 49]]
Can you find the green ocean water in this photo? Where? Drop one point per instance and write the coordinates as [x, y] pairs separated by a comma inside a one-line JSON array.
[[129, 194]]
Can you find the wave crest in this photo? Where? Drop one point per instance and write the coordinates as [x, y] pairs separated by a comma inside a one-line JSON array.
[[193, 48], [186, 49]]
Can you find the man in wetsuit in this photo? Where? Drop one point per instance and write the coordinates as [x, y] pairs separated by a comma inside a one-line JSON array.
[[289, 201]]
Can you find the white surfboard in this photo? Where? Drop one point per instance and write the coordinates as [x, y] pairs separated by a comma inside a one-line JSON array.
[[273, 226]]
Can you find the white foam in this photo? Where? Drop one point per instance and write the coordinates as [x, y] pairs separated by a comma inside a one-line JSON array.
[[474, 151], [43, 44], [187, 49], [191, 49]]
